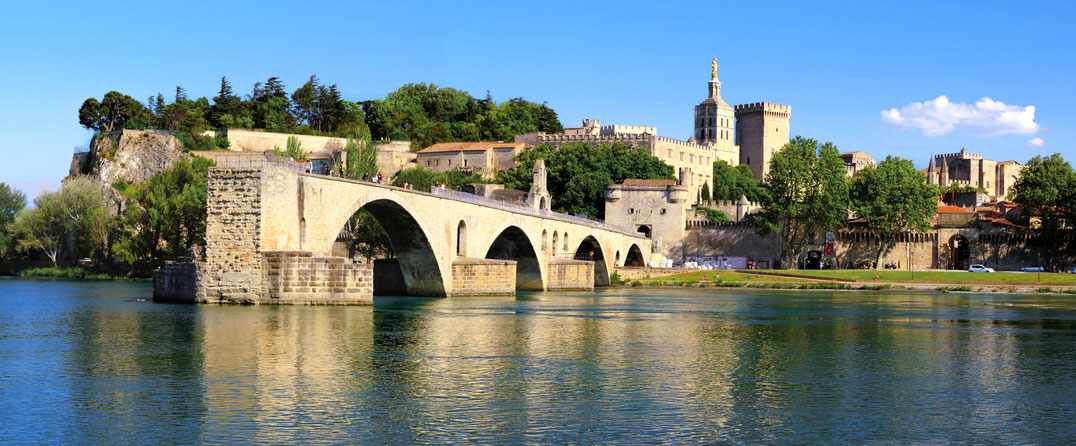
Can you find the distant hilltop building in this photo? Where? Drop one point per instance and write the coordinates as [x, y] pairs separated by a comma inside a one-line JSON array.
[[855, 162], [744, 134], [970, 169]]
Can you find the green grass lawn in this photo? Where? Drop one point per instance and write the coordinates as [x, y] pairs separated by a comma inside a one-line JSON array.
[[956, 277]]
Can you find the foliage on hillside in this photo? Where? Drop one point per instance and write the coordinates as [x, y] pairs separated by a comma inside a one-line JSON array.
[[422, 113], [578, 173], [166, 216]]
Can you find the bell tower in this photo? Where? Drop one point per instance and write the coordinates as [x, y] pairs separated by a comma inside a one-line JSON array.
[[714, 119]]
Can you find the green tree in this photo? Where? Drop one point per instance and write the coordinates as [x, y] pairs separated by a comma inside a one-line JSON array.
[[420, 178], [368, 237], [12, 201], [806, 193], [361, 156], [731, 183], [706, 191], [304, 101], [114, 111], [52, 224], [1046, 193], [608, 163], [295, 149], [166, 215], [893, 198]]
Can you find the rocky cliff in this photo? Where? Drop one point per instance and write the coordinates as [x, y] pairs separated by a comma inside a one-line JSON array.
[[131, 155]]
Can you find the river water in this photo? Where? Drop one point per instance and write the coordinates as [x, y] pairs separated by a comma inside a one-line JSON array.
[[86, 362]]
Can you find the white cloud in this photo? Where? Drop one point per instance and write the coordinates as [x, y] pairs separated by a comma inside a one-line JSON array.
[[987, 117], [1035, 142]]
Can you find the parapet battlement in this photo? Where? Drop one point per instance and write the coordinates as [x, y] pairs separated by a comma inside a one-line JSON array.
[[763, 107], [958, 155]]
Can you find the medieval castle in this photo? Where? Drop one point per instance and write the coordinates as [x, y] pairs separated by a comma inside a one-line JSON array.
[[970, 169], [745, 134]]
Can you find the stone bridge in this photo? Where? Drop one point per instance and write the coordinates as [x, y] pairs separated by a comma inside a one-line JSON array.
[[270, 235]]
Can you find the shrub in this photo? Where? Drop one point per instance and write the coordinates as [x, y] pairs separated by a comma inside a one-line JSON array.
[[946, 289], [715, 215], [1045, 289], [636, 283], [616, 280], [73, 272]]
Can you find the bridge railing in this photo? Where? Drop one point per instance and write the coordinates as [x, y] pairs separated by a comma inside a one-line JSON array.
[[518, 208], [246, 161]]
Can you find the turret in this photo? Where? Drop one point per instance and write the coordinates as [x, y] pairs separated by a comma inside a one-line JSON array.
[[943, 179], [932, 174], [539, 197]]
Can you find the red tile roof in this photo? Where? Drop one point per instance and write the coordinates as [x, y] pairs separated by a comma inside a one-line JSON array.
[[470, 146], [953, 210]]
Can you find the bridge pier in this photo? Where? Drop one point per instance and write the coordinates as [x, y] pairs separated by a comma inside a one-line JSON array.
[[478, 277], [571, 275]]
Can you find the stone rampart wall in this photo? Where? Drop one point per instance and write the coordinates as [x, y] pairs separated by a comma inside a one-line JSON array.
[[635, 273], [570, 275], [475, 277], [305, 278]]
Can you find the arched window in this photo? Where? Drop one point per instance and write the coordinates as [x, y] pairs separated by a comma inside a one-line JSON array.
[[554, 243], [461, 239]]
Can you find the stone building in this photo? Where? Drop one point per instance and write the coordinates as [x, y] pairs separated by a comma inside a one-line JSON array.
[[854, 162], [747, 134], [483, 158], [653, 207], [970, 169]]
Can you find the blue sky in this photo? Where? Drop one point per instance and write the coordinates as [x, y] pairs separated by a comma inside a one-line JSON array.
[[839, 65]]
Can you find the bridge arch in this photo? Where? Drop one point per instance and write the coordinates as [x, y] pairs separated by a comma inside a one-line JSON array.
[[635, 256], [421, 273], [512, 243], [591, 249]]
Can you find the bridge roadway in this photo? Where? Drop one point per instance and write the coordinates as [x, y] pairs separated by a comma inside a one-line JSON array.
[[270, 235]]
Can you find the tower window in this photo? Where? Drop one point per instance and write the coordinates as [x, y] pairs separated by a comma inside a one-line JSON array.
[[748, 160]]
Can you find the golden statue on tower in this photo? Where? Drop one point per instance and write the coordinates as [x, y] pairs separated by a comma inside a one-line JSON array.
[[713, 69]]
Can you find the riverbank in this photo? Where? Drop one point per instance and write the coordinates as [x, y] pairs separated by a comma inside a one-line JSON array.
[[929, 282], [71, 272]]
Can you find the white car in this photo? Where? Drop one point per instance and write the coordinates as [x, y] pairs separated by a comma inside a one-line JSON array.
[[979, 269]]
